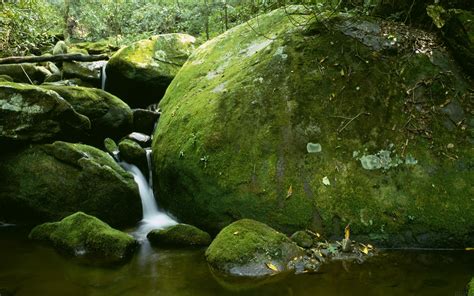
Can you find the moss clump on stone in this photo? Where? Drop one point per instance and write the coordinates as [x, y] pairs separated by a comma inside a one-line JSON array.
[[248, 247], [248, 103], [470, 288], [179, 235], [34, 73], [48, 182], [84, 235]]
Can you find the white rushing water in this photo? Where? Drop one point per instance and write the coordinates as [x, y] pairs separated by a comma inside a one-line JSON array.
[[153, 218], [103, 77]]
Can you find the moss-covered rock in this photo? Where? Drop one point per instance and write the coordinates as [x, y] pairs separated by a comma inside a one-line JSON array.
[[48, 182], [391, 116], [30, 113], [133, 153], [60, 48], [302, 239], [109, 115], [84, 71], [110, 146], [82, 235], [97, 47], [179, 235], [25, 72], [141, 72], [470, 288], [250, 248]]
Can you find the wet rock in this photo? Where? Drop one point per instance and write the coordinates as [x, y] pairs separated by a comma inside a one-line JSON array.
[[32, 114], [238, 117], [140, 73], [302, 239], [144, 120], [48, 182], [179, 235], [142, 139], [133, 153], [84, 235], [109, 115], [250, 248]]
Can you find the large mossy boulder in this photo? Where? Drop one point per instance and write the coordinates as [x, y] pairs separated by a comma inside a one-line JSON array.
[[48, 182], [250, 248], [109, 115], [180, 235], [140, 73], [341, 120], [82, 235], [470, 288], [32, 114]]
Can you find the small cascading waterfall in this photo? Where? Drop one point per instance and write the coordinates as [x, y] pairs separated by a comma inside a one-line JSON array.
[[153, 218], [103, 77]]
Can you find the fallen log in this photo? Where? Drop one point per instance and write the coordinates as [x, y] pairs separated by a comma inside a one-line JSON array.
[[54, 58]]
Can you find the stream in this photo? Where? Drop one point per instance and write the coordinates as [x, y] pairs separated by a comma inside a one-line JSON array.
[[29, 268]]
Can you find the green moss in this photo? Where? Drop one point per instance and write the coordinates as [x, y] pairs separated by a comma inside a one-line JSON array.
[[80, 234], [78, 70], [311, 84], [5, 78], [302, 239], [17, 72], [179, 235], [133, 153], [110, 146], [470, 288]]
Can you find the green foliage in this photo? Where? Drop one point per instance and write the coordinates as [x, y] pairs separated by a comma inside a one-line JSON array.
[[27, 25]]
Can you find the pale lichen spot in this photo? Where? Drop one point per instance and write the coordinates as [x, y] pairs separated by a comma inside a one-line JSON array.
[[257, 46], [313, 147], [220, 88], [280, 52]]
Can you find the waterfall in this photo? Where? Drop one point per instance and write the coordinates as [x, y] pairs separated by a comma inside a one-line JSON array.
[[103, 77], [153, 217]]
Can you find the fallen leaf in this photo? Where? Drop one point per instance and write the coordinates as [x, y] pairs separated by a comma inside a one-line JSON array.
[[370, 246], [290, 192], [469, 249], [326, 181], [347, 232], [235, 233], [271, 266], [365, 250]]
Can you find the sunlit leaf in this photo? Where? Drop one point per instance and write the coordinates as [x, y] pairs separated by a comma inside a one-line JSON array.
[[271, 266], [469, 249], [235, 233], [347, 232], [290, 192], [365, 250]]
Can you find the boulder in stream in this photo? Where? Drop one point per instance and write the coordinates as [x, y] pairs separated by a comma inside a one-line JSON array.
[[250, 248], [48, 182], [341, 119], [83, 235], [140, 73], [179, 235]]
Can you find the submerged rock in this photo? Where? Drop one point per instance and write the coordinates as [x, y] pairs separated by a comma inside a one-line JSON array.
[[32, 114], [48, 182], [250, 248], [232, 139], [140, 73], [82, 235], [109, 115], [179, 235]]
